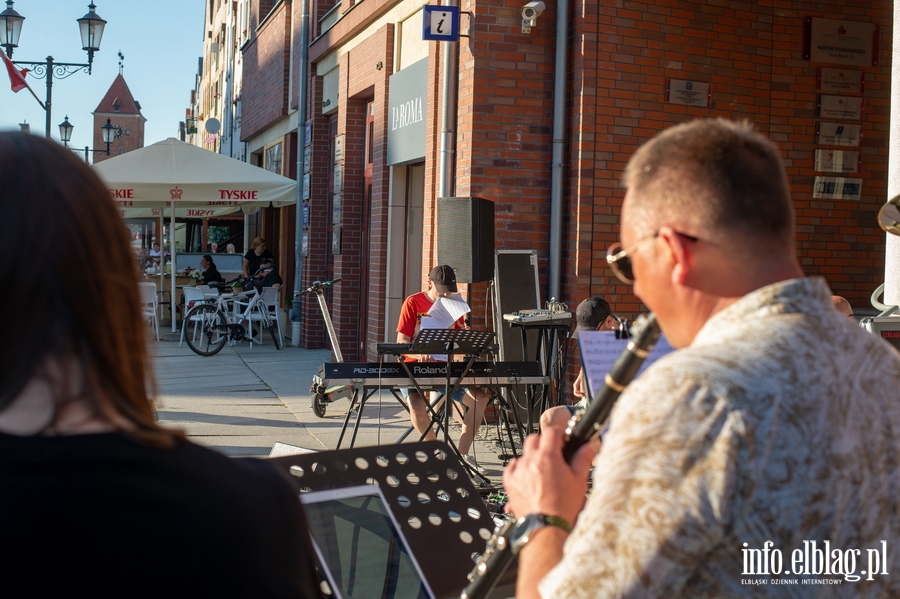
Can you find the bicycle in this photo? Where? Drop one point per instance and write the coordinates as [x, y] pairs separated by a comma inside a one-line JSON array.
[[218, 325]]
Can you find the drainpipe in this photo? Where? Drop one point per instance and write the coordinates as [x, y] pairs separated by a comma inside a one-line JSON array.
[[449, 94], [559, 148], [303, 76]]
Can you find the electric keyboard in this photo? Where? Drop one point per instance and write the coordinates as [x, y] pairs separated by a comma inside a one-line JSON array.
[[428, 374]]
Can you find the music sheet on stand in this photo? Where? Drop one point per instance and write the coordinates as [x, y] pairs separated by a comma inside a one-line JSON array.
[[443, 315], [599, 350]]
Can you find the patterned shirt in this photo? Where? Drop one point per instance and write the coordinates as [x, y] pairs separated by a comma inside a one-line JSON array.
[[780, 423]]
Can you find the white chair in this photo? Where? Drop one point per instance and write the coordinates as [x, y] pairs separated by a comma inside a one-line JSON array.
[[208, 292], [192, 295], [149, 306], [270, 299]]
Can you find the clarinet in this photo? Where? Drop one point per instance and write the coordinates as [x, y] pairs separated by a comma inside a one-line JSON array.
[[581, 429]]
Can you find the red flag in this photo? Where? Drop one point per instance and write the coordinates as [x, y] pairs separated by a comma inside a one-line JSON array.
[[16, 77]]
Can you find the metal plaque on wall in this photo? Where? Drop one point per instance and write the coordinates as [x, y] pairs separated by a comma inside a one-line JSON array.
[[837, 188], [839, 134], [840, 107], [837, 161], [845, 81]]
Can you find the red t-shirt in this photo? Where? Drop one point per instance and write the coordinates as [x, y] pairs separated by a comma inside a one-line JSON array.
[[414, 308]]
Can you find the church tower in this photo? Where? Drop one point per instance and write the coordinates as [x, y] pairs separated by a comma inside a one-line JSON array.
[[124, 114]]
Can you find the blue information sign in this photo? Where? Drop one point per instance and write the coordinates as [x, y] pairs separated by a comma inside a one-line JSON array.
[[440, 23]]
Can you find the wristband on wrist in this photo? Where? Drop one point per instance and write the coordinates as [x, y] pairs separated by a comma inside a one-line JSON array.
[[526, 526]]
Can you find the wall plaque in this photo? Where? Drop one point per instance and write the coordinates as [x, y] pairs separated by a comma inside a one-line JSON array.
[[689, 93], [845, 81], [841, 42], [338, 178], [339, 148], [840, 107], [837, 161], [337, 204], [837, 188], [839, 134]]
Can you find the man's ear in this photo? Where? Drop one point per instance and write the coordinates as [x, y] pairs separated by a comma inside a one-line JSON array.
[[681, 253]]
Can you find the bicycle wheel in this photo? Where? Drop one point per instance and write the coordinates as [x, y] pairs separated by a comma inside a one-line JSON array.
[[212, 327]]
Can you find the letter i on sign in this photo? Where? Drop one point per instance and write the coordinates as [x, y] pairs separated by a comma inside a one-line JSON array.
[[438, 22]]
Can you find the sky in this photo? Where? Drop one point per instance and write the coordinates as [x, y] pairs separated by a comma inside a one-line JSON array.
[[161, 40]]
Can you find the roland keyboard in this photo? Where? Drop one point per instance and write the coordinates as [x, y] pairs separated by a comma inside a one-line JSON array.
[[428, 374]]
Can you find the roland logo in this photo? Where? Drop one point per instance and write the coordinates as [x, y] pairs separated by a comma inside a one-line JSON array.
[[417, 370]]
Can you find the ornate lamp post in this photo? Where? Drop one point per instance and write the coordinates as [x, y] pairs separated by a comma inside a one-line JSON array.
[[91, 26], [65, 135]]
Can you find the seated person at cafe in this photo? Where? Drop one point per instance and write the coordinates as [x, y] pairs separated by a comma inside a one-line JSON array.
[[270, 278], [210, 272], [155, 256]]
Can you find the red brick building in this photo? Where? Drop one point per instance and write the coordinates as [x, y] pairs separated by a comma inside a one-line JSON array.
[[629, 65], [124, 114]]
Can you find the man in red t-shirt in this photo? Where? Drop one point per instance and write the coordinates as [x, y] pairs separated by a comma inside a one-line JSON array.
[[441, 283]]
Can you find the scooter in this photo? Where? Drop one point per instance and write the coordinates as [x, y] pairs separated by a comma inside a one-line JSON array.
[[322, 395]]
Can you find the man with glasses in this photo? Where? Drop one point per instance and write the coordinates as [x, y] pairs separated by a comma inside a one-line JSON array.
[[773, 429]]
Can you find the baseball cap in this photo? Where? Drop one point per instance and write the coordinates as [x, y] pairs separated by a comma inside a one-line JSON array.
[[590, 314], [444, 279]]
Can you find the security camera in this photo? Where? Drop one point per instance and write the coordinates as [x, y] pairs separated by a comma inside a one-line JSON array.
[[530, 13], [532, 10]]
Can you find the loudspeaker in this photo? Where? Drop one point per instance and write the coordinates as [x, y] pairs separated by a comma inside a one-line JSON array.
[[465, 237]]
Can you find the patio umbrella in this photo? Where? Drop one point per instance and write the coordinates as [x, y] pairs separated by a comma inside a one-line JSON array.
[[196, 182], [177, 179]]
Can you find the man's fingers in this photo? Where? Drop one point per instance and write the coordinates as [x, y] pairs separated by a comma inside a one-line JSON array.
[[584, 457]]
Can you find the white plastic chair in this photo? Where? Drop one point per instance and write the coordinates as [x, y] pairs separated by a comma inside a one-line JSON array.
[[270, 299], [208, 292], [149, 306], [192, 295]]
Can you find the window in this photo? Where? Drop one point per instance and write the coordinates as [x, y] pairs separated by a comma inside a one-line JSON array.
[[273, 159]]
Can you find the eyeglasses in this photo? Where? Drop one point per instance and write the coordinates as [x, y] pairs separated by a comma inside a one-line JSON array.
[[620, 262]]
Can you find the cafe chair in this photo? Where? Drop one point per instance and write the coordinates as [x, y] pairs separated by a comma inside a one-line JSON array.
[[192, 296], [149, 305]]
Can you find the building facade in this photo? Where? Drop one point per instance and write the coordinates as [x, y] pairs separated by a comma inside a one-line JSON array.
[[372, 140]]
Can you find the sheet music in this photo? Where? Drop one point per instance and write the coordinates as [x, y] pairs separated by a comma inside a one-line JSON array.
[[447, 310], [443, 314], [599, 350]]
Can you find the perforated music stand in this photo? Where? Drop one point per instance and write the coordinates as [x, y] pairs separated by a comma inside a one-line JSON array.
[[450, 342], [426, 488]]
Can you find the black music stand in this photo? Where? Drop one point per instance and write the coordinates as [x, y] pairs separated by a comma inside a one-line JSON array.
[[449, 342], [427, 490]]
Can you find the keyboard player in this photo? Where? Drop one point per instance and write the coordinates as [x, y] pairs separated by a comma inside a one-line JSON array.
[[441, 283]]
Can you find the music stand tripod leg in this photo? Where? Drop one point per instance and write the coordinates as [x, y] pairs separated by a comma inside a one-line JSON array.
[[354, 397]]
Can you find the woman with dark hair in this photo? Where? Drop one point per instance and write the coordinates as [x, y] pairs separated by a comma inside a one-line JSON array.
[[210, 272], [96, 497]]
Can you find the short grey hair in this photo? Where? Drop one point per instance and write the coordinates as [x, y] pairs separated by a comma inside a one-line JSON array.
[[718, 179]]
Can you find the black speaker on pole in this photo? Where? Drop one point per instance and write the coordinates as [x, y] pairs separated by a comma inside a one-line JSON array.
[[465, 237]]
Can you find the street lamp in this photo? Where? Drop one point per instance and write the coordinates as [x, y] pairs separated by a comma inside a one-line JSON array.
[[91, 26], [65, 135]]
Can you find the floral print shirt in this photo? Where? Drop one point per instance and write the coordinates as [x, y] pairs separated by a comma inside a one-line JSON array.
[[760, 461]]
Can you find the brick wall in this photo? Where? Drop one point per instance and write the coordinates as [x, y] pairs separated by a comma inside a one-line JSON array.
[[752, 55], [266, 75]]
